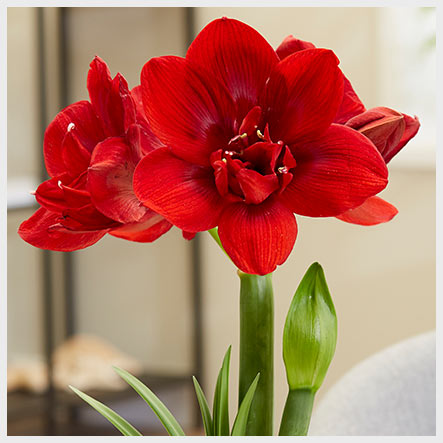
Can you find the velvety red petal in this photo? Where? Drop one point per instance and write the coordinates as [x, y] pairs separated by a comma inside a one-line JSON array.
[[189, 112], [290, 45], [237, 55], [350, 105], [79, 118], [258, 237], [303, 95], [110, 180], [41, 230], [148, 229], [373, 211], [110, 98], [336, 172], [183, 193]]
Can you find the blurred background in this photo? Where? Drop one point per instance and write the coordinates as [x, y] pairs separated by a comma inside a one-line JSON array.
[[169, 310]]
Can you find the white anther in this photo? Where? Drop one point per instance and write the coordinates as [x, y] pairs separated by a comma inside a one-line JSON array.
[[224, 160], [230, 153], [59, 184], [282, 169], [71, 126], [260, 135], [32, 192]]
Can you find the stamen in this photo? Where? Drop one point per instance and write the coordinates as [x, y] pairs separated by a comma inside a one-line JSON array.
[[71, 126], [230, 153], [282, 170], [32, 192], [224, 160], [59, 184], [260, 135]]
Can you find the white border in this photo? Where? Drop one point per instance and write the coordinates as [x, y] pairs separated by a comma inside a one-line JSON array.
[[227, 3]]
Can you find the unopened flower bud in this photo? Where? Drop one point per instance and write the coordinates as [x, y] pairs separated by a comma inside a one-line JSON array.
[[310, 332]]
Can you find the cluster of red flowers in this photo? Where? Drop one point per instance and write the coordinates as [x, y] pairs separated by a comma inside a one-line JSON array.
[[235, 135]]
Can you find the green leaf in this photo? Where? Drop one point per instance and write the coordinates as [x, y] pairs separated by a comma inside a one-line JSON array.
[[204, 408], [310, 332], [119, 422], [221, 400], [241, 420], [167, 419]]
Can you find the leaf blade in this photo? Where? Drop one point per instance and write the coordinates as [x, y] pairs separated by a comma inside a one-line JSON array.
[[119, 422], [161, 411], [204, 408], [221, 398], [241, 420]]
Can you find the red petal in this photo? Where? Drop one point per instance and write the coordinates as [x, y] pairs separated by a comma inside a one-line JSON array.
[[110, 180], [79, 117], [56, 195], [110, 98], [75, 156], [372, 212], [237, 55], [336, 172], [350, 106], [258, 237], [256, 187], [290, 45], [303, 95], [190, 112], [183, 193], [412, 126], [40, 230], [148, 229]]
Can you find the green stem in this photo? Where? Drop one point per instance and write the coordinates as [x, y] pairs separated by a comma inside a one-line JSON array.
[[257, 349], [297, 412]]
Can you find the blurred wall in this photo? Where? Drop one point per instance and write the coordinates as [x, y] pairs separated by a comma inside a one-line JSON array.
[[382, 278]]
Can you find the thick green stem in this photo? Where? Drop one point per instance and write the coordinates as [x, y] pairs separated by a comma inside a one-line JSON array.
[[297, 412], [257, 349]]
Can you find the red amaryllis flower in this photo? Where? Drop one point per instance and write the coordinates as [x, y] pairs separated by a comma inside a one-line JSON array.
[[250, 142], [91, 150], [389, 130]]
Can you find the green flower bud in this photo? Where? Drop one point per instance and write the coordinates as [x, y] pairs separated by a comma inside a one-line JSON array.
[[310, 332]]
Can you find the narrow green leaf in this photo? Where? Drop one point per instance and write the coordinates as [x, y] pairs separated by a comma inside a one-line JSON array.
[[221, 398], [204, 408], [167, 419], [241, 420], [119, 422]]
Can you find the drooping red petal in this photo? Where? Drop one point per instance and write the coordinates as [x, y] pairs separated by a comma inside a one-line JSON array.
[[373, 211], [183, 193], [110, 180], [383, 126], [110, 98], [290, 45], [258, 237], [350, 106], [303, 95], [189, 112], [148, 229], [43, 230], [412, 127], [236, 54], [336, 172], [79, 117]]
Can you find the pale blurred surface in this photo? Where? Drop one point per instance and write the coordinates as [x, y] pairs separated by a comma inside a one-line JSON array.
[[382, 278]]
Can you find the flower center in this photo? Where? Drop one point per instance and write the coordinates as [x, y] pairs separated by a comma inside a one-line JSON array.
[[252, 167]]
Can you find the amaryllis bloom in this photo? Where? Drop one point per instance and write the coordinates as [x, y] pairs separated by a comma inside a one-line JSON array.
[[389, 130], [249, 141], [91, 150]]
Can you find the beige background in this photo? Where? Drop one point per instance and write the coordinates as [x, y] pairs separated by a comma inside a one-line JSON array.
[[382, 278]]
